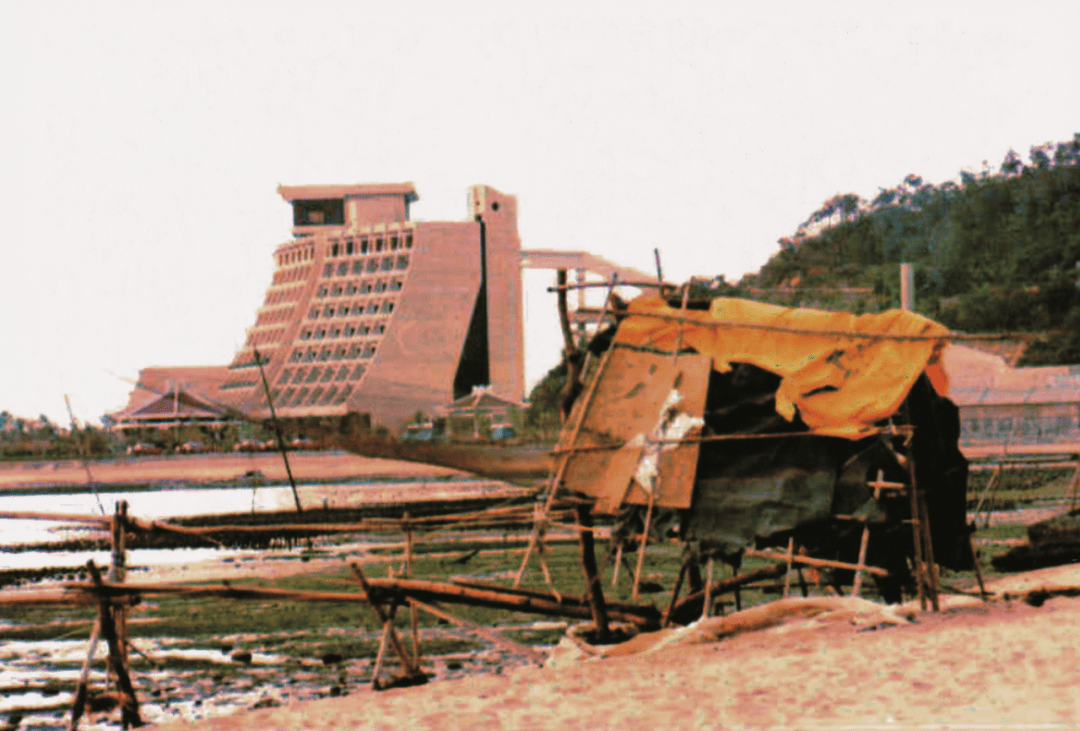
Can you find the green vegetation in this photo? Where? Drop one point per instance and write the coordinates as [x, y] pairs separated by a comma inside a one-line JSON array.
[[997, 252]]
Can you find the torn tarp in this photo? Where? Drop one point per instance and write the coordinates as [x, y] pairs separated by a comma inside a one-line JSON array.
[[839, 385]]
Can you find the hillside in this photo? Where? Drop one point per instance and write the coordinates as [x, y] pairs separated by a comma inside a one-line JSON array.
[[998, 251]]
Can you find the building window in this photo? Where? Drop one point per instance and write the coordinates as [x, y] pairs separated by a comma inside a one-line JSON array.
[[380, 328], [339, 353], [320, 333], [334, 250], [365, 287], [327, 375], [357, 267], [372, 308], [372, 266], [363, 246], [403, 262], [380, 286], [328, 270], [284, 378], [315, 396], [354, 351], [365, 329], [349, 331], [328, 311], [378, 244], [343, 269], [369, 350], [329, 395], [300, 373], [322, 291], [395, 285], [300, 396], [388, 264], [296, 356], [388, 307], [325, 354], [288, 395], [350, 288], [313, 375], [357, 372], [393, 243], [408, 241], [305, 335], [342, 373], [335, 332], [313, 313], [343, 395], [336, 291], [348, 247], [357, 308]]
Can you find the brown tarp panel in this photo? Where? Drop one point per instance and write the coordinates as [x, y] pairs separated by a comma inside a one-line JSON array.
[[626, 409]]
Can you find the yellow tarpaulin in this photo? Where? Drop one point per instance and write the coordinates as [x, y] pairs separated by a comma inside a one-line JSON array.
[[840, 384]]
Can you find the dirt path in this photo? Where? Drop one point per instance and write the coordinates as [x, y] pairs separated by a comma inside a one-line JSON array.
[[1003, 665]]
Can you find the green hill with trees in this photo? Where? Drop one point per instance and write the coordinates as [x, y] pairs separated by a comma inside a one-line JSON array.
[[997, 251]]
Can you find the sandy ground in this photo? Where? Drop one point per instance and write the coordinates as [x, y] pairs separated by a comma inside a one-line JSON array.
[[1001, 665], [211, 467]]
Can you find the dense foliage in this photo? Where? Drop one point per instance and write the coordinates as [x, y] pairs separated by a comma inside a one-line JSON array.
[[998, 251]]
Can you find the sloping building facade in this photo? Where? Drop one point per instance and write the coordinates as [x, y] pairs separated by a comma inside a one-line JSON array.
[[371, 312]]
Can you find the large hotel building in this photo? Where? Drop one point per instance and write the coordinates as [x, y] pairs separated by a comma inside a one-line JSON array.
[[373, 313]]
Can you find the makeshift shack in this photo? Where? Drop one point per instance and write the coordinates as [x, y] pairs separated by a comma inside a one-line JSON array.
[[739, 425]]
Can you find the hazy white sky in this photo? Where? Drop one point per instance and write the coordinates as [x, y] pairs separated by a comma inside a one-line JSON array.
[[141, 143]]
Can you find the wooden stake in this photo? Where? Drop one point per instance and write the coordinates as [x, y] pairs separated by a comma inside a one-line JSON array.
[[790, 556], [399, 648], [486, 632], [414, 622], [738, 589], [407, 527], [81, 691], [129, 709], [857, 586], [978, 568], [387, 627], [675, 593], [593, 589], [634, 594], [706, 610], [615, 571]]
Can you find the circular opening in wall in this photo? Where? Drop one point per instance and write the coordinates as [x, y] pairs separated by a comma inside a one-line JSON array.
[[495, 206]]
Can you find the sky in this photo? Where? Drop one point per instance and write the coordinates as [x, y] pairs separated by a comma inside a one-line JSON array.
[[141, 144]]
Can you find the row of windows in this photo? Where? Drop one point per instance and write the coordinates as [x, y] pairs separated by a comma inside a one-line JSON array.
[[374, 307], [284, 295], [990, 426], [313, 397], [361, 286], [269, 318], [296, 256], [341, 352], [344, 331], [374, 245], [387, 264], [319, 374], [256, 339], [283, 276]]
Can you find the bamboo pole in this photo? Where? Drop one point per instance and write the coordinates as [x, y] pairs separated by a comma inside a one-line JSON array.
[[129, 708], [857, 584], [790, 560], [386, 620], [691, 605], [82, 689], [484, 632], [706, 610], [593, 587], [379, 656], [675, 593], [634, 593], [277, 430], [810, 561]]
